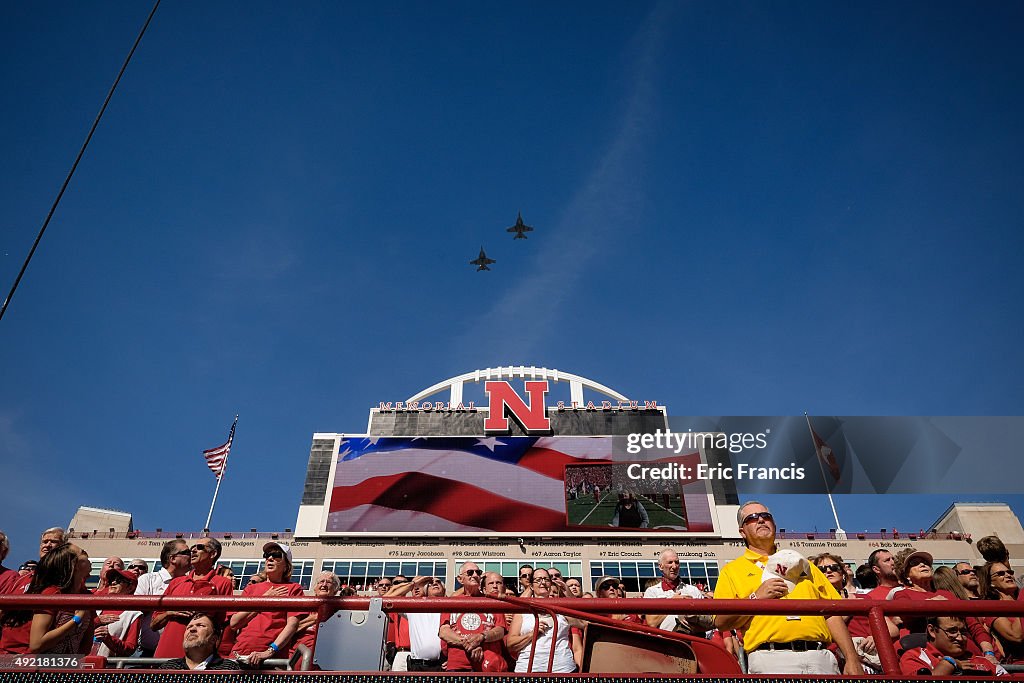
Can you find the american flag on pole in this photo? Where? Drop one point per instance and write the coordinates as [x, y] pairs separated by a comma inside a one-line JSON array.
[[217, 458], [825, 453], [465, 484]]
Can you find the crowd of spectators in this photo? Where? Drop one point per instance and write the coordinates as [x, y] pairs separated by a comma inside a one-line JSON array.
[[497, 641]]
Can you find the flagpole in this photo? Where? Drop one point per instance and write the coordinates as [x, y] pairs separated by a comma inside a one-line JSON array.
[[817, 456], [223, 469]]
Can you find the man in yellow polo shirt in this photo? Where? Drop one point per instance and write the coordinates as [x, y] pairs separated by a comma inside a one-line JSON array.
[[781, 644]]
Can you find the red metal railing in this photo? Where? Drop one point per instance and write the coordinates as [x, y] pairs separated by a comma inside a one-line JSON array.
[[874, 610]]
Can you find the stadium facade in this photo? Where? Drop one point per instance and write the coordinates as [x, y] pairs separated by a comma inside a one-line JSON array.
[[528, 471]]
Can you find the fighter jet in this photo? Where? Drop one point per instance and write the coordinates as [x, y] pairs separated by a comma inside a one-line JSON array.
[[481, 261], [519, 228]]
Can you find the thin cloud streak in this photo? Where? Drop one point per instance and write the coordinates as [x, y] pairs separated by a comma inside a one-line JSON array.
[[605, 206]]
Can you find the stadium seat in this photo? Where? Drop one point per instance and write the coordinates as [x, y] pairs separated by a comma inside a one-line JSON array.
[[622, 650]]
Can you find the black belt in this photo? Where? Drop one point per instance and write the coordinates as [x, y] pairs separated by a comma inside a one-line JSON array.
[[425, 662], [402, 649], [794, 645]]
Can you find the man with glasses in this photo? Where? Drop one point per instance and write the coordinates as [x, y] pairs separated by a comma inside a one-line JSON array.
[[968, 577], [139, 567], [202, 580], [673, 586], [175, 561], [469, 635], [781, 644], [945, 653]]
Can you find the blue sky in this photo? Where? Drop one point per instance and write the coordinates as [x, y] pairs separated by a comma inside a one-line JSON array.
[[741, 208]]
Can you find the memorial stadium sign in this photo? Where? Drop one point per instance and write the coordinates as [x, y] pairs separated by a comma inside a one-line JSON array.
[[503, 402]]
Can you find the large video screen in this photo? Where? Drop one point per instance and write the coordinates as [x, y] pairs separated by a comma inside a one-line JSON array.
[[510, 485]]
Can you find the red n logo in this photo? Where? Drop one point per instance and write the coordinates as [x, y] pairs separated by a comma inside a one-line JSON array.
[[532, 417]]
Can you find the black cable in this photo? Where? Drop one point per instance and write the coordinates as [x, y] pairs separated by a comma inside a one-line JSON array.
[[81, 152]]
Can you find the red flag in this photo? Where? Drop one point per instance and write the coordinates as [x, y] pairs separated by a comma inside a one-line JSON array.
[[825, 453], [217, 457]]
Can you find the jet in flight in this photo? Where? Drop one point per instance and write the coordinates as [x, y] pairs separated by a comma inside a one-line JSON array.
[[481, 261], [519, 228]]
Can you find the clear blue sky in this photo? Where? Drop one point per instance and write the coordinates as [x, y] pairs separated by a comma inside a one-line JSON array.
[[741, 208]]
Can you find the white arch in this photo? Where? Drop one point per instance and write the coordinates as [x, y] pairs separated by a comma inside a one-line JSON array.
[[576, 383]]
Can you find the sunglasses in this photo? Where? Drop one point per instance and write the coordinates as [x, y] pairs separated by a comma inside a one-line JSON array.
[[474, 572], [608, 587], [753, 517], [383, 585], [1003, 572], [556, 576], [183, 553], [400, 583], [138, 566], [525, 576], [200, 548], [273, 555], [826, 568], [965, 572]]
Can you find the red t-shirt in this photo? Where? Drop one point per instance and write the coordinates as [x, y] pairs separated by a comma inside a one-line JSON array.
[[859, 627], [307, 638], [917, 624], [8, 580], [917, 658], [227, 641], [22, 584], [15, 639], [398, 632], [468, 623], [1014, 651], [174, 631], [257, 635]]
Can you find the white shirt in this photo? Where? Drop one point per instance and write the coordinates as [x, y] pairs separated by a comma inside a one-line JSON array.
[[118, 629], [564, 662], [153, 583], [685, 590], [201, 666], [424, 643]]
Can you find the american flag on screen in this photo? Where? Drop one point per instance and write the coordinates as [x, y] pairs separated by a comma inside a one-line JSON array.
[[468, 484], [217, 458]]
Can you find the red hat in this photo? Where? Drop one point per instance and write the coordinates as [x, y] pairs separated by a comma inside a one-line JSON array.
[[493, 662], [129, 577]]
